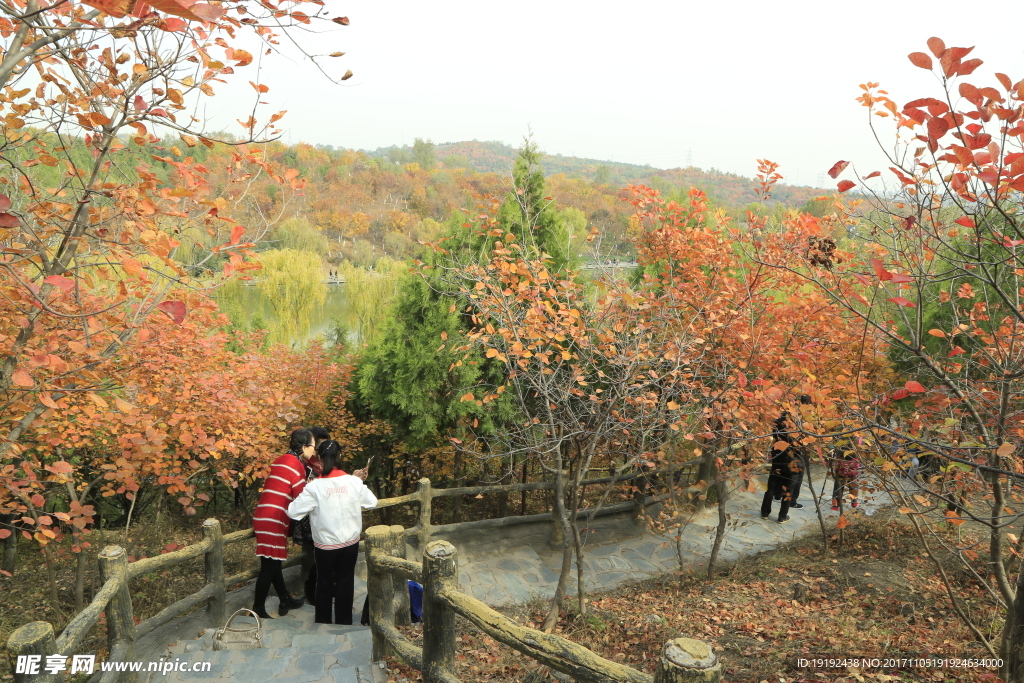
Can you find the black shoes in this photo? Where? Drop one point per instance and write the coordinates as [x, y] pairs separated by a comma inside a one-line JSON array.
[[262, 614], [783, 520], [797, 506], [289, 603]]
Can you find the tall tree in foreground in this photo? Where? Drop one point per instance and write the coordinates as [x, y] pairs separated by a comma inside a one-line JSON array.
[[942, 282], [95, 207]]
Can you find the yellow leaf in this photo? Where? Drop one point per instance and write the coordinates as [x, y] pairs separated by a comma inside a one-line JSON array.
[[672, 405], [491, 353], [98, 401], [123, 406], [1005, 450], [467, 397], [843, 522], [937, 333]]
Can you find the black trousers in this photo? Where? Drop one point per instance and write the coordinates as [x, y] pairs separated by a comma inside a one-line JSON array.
[[335, 584], [779, 486], [270, 573]]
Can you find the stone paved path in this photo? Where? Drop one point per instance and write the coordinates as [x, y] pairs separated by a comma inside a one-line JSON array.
[[525, 573]]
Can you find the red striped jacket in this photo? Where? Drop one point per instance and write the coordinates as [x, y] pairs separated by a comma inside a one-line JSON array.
[[270, 520]]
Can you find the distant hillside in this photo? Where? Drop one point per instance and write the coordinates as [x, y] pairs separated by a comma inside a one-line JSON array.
[[497, 157]]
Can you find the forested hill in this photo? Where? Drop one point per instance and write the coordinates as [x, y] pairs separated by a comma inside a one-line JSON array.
[[497, 157]]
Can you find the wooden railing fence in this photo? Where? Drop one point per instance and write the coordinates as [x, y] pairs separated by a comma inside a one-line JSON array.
[[114, 598], [683, 659]]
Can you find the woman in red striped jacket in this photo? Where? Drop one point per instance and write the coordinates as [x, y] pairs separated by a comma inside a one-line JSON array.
[[272, 525]]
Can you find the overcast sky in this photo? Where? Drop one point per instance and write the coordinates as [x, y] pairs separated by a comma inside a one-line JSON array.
[[715, 84]]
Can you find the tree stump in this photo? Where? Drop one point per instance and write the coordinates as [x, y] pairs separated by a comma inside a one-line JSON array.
[[686, 660]]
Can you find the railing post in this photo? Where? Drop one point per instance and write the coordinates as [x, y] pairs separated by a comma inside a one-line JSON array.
[[440, 572], [35, 643], [426, 504], [120, 619], [396, 548], [216, 608], [380, 588], [686, 660]]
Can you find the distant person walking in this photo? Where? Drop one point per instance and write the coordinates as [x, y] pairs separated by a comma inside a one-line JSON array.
[[334, 503], [786, 461], [270, 521], [845, 470]]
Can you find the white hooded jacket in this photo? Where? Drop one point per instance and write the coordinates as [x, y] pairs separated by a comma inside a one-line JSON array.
[[335, 503]]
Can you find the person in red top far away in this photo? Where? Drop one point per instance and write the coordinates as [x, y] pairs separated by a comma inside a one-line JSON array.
[[335, 504], [270, 521]]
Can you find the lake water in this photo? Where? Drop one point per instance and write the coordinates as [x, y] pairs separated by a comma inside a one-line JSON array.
[[334, 311]]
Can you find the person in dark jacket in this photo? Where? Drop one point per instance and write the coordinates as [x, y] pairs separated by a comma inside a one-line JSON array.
[[787, 461]]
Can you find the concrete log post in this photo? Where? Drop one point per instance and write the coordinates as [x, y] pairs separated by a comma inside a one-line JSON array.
[[426, 494], [440, 572], [380, 589], [396, 548], [686, 660], [120, 617], [216, 608], [28, 647]]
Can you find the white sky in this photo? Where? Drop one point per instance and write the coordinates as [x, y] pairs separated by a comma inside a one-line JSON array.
[[719, 83]]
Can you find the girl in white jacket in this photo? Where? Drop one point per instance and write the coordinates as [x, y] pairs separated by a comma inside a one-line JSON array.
[[335, 502]]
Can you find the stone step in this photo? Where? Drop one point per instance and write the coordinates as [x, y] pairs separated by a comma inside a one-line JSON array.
[[327, 656]]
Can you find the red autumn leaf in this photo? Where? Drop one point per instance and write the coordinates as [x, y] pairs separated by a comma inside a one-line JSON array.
[[880, 272], [207, 12], [341, 20], [60, 281], [897, 278], [140, 104], [899, 394], [988, 176], [965, 221], [845, 185], [968, 67], [863, 280], [955, 352], [236, 234], [175, 310], [837, 168], [915, 387], [60, 467], [873, 174], [8, 220], [900, 301], [937, 127], [909, 222], [920, 59], [22, 378], [843, 522], [5, 202], [936, 46]]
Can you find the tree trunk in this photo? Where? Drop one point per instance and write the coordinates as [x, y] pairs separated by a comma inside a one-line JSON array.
[[457, 504], [522, 506], [567, 547], [723, 497], [1011, 649], [705, 473], [10, 563]]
